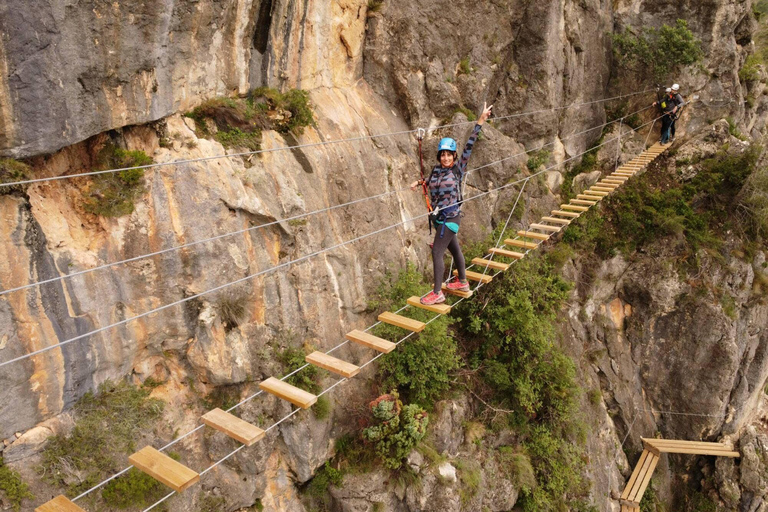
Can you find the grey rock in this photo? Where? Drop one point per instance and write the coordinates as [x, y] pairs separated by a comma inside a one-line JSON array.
[[447, 472]]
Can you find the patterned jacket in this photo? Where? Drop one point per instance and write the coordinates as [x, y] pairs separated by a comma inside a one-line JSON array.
[[444, 183]]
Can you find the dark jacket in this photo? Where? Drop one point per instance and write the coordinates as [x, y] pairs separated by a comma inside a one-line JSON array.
[[444, 183]]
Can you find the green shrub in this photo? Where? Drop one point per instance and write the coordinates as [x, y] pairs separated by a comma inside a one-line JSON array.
[[399, 429], [294, 101], [374, 6], [107, 424], [471, 116], [657, 51], [517, 466], [114, 194], [537, 159], [13, 488], [750, 71], [755, 199], [232, 308], [322, 408], [236, 138], [464, 66], [12, 171], [317, 488], [421, 366], [734, 130], [134, 488]]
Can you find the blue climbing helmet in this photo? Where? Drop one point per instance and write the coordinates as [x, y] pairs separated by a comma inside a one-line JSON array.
[[446, 144]]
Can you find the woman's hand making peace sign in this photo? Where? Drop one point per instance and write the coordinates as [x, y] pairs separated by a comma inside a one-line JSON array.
[[485, 115]]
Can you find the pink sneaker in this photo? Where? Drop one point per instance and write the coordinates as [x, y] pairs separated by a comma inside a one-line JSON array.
[[433, 298], [456, 284]]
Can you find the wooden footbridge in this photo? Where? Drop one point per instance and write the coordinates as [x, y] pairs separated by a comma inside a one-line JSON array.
[[179, 477], [653, 448]]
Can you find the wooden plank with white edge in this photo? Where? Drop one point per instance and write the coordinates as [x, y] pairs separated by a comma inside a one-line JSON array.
[[613, 181], [701, 451], [602, 189], [600, 193], [521, 243], [687, 444], [644, 485], [296, 396], [476, 276], [164, 469], [583, 202], [611, 186], [332, 364], [614, 177], [496, 265], [59, 504], [458, 293], [403, 322], [532, 235], [544, 227], [642, 476], [442, 309], [571, 215], [555, 220], [574, 207], [370, 341], [587, 197], [506, 254], [234, 427]]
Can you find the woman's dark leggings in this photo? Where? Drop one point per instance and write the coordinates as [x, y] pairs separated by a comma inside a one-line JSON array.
[[451, 242]]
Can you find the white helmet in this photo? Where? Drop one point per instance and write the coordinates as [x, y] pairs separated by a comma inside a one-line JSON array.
[[676, 87], [669, 90]]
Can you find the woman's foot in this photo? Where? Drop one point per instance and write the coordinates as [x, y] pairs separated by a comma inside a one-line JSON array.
[[433, 298], [458, 285]]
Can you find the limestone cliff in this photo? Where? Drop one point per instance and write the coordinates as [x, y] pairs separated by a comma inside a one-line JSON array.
[[75, 74]]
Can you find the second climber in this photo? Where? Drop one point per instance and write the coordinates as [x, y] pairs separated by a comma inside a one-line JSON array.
[[444, 187]]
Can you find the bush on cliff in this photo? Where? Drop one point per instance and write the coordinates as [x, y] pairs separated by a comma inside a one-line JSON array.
[[12, 171], [398, 429], [113, 194], [13, 488]]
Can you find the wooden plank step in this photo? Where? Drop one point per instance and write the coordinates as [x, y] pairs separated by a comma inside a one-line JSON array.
[[545, 227], [698, 451], [476, 276], [602, 189], [296, 396], [680, 442], [612, 186], [458, 293], [164, 469], [332, 364], [574, 207], [402, 321], [583, 202], [572, 215], [496, 265], [520, 243], [636, 494], [600, 193], [532, 235], [233, 426], [555, 220], [589, 197], [59, 504], [370, 341], [442, 309], [613, 181], [635, 474], [506, 254], [615, 177]]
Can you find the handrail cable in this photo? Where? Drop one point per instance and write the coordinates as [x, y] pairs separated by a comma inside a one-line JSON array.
[[301, 146], [247, 399], [275, 222], [287, 263]]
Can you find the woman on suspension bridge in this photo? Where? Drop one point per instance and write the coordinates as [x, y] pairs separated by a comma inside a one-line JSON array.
[[444, 190]]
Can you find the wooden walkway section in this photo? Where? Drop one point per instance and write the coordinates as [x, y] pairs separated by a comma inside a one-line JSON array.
[[653, 448], [164, 469], [59, 504]]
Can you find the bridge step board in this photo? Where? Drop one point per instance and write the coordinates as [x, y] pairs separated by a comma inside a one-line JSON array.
[[545, 227], [617, 178], [333, 364], [608, 185], [532, 235], [582, 202], [640, 478], [370, 341], [689, 447], [496, 265], [598, 188], [613, 181], [59, 504], [458, 293], [572, 215], [401, 321], [507, 254], [555, 220], [589, 197], [296, 396], [233, 426], [442, 309], [601, 193], [164, 469], [476, 276], [574, 207], [520, 243]]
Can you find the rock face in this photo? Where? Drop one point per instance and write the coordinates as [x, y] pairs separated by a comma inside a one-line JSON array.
[[71, 71]]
